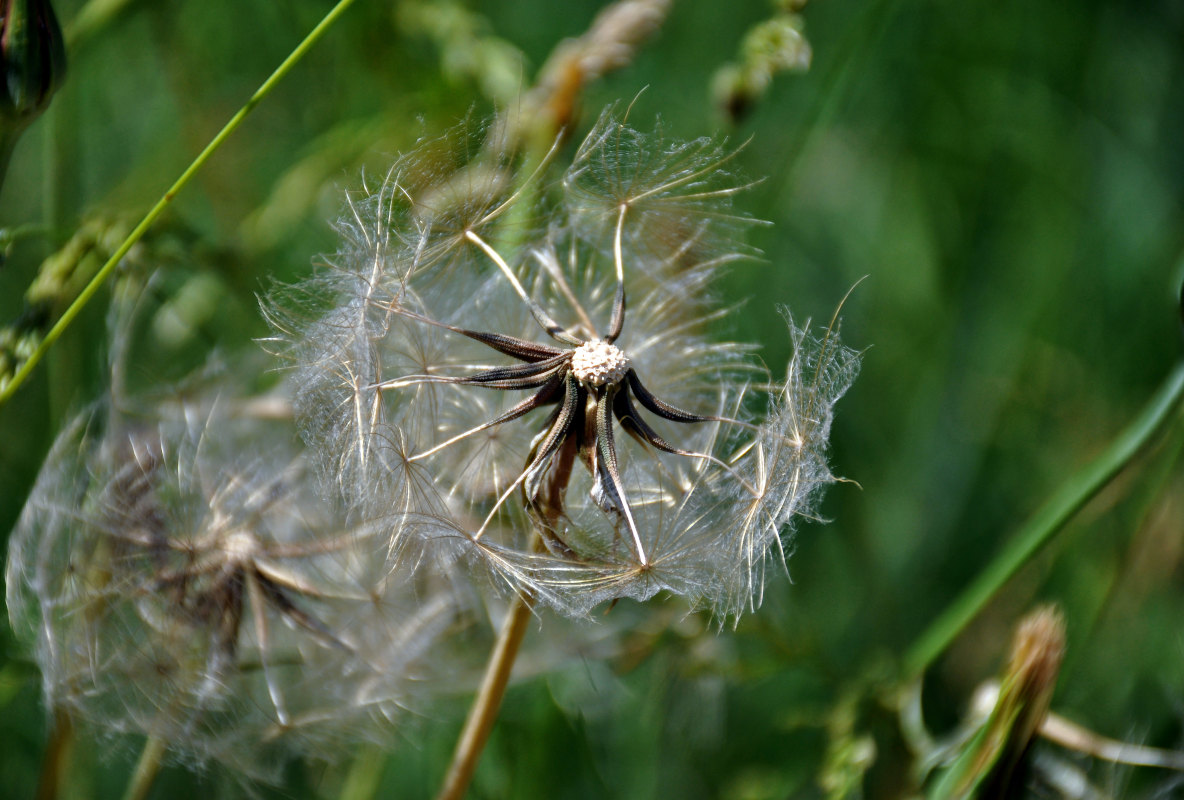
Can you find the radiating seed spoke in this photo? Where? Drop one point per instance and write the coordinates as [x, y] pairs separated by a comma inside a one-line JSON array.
[[553, 328], [513, 385], [626, 413], [618, 319], [277, 597], [512, 346], [259, 612], [500, 375], [541, 398], [500, 502], [607, 462], [551, 265], [228, 608], [660, 407], [559, 429]]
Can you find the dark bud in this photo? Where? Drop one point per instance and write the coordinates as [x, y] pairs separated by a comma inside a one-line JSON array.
[[32, 60], [733, 92]]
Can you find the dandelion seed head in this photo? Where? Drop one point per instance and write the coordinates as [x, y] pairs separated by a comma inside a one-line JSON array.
[[178, 576], [568, 422]]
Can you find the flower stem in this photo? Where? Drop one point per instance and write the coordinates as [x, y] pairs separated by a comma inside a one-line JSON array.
[[1046, 522], [489, 699], [8, 140], [91, 19], [146, 769], [138, 232], [56, 764]]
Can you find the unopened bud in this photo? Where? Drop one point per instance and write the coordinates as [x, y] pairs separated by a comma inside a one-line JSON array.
[[1036, 654], [989, 764], [32, 60]]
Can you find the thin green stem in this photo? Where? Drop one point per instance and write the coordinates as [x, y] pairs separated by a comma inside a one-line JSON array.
[[91, 288], [8, 140], [146, 769], [1045, 523], [32, 230], [90, 19]]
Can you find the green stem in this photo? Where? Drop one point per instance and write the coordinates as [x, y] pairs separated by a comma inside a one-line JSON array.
[[91, 288], [91, 19], [31, 230], [8, 140], [146, 769], [1045, 523]]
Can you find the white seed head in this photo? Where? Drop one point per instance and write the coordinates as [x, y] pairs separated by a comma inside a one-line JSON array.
[[440, 460], [177, 574], [240, 547], [598, 363]]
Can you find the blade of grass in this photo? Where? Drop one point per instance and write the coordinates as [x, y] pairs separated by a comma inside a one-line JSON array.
[[1044, 524], [84, 297]]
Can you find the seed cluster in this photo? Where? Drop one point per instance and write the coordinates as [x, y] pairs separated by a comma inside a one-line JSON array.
[[598, 363]]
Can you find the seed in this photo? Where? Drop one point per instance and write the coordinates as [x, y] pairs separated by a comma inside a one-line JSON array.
[[598, 363]]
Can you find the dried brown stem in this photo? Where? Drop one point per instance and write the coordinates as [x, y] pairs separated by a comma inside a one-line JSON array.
[[55, 766], [485, 707]]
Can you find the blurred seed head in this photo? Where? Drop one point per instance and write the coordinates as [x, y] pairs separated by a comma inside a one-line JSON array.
[[485, 387], [770, 47], [611, 42], [178, 576]]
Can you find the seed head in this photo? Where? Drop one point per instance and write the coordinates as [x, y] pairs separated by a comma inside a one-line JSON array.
[[178, 577], [598, 363], [558, 412]]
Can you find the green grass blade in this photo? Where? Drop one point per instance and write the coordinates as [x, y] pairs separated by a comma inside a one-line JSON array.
[[1047, 520]]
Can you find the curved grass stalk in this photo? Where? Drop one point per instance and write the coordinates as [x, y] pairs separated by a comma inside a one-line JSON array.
[[1050, 518], [84, 297]]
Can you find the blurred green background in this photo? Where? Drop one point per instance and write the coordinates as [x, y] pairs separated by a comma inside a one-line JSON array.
[[1009, 177]]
